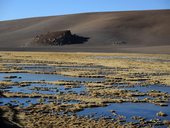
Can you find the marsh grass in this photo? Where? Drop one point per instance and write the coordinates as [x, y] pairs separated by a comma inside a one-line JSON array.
[[128, 70]]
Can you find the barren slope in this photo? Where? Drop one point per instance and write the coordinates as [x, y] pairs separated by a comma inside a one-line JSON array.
[[143, 31]]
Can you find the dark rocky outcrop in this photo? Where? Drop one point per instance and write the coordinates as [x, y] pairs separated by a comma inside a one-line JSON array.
[[59, 38]]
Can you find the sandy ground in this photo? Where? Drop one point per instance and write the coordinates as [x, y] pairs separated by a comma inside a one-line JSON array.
[[143, 32]]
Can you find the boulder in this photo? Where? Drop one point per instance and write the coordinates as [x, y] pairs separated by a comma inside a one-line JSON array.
[[59, 38]]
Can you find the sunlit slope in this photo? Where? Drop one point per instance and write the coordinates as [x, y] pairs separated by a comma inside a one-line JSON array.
[[139, 29]]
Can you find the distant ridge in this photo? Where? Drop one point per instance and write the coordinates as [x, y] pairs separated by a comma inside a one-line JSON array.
[[131, 31]]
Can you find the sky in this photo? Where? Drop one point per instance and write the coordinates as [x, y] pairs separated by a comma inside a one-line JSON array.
[[17, 9]]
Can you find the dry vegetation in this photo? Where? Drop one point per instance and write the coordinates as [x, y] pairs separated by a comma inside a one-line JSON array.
[[128, 70], [152, 67]]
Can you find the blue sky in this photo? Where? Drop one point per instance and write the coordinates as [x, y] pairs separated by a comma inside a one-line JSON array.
[[16, 9]]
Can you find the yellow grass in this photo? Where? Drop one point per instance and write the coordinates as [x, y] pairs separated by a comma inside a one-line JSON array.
[[135, 63]]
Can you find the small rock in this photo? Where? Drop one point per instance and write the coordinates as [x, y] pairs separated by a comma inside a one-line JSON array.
[[167, 122], [161, 114]]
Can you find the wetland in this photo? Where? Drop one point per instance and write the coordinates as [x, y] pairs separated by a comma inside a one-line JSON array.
[[39, 89]]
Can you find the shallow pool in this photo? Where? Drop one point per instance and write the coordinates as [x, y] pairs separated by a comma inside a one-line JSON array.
[[46, 89], [46, 77], [25, 102], [161, 88], [129, 110]]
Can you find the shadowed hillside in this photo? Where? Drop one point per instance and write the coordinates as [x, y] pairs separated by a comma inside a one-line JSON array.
[[133, 31]]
